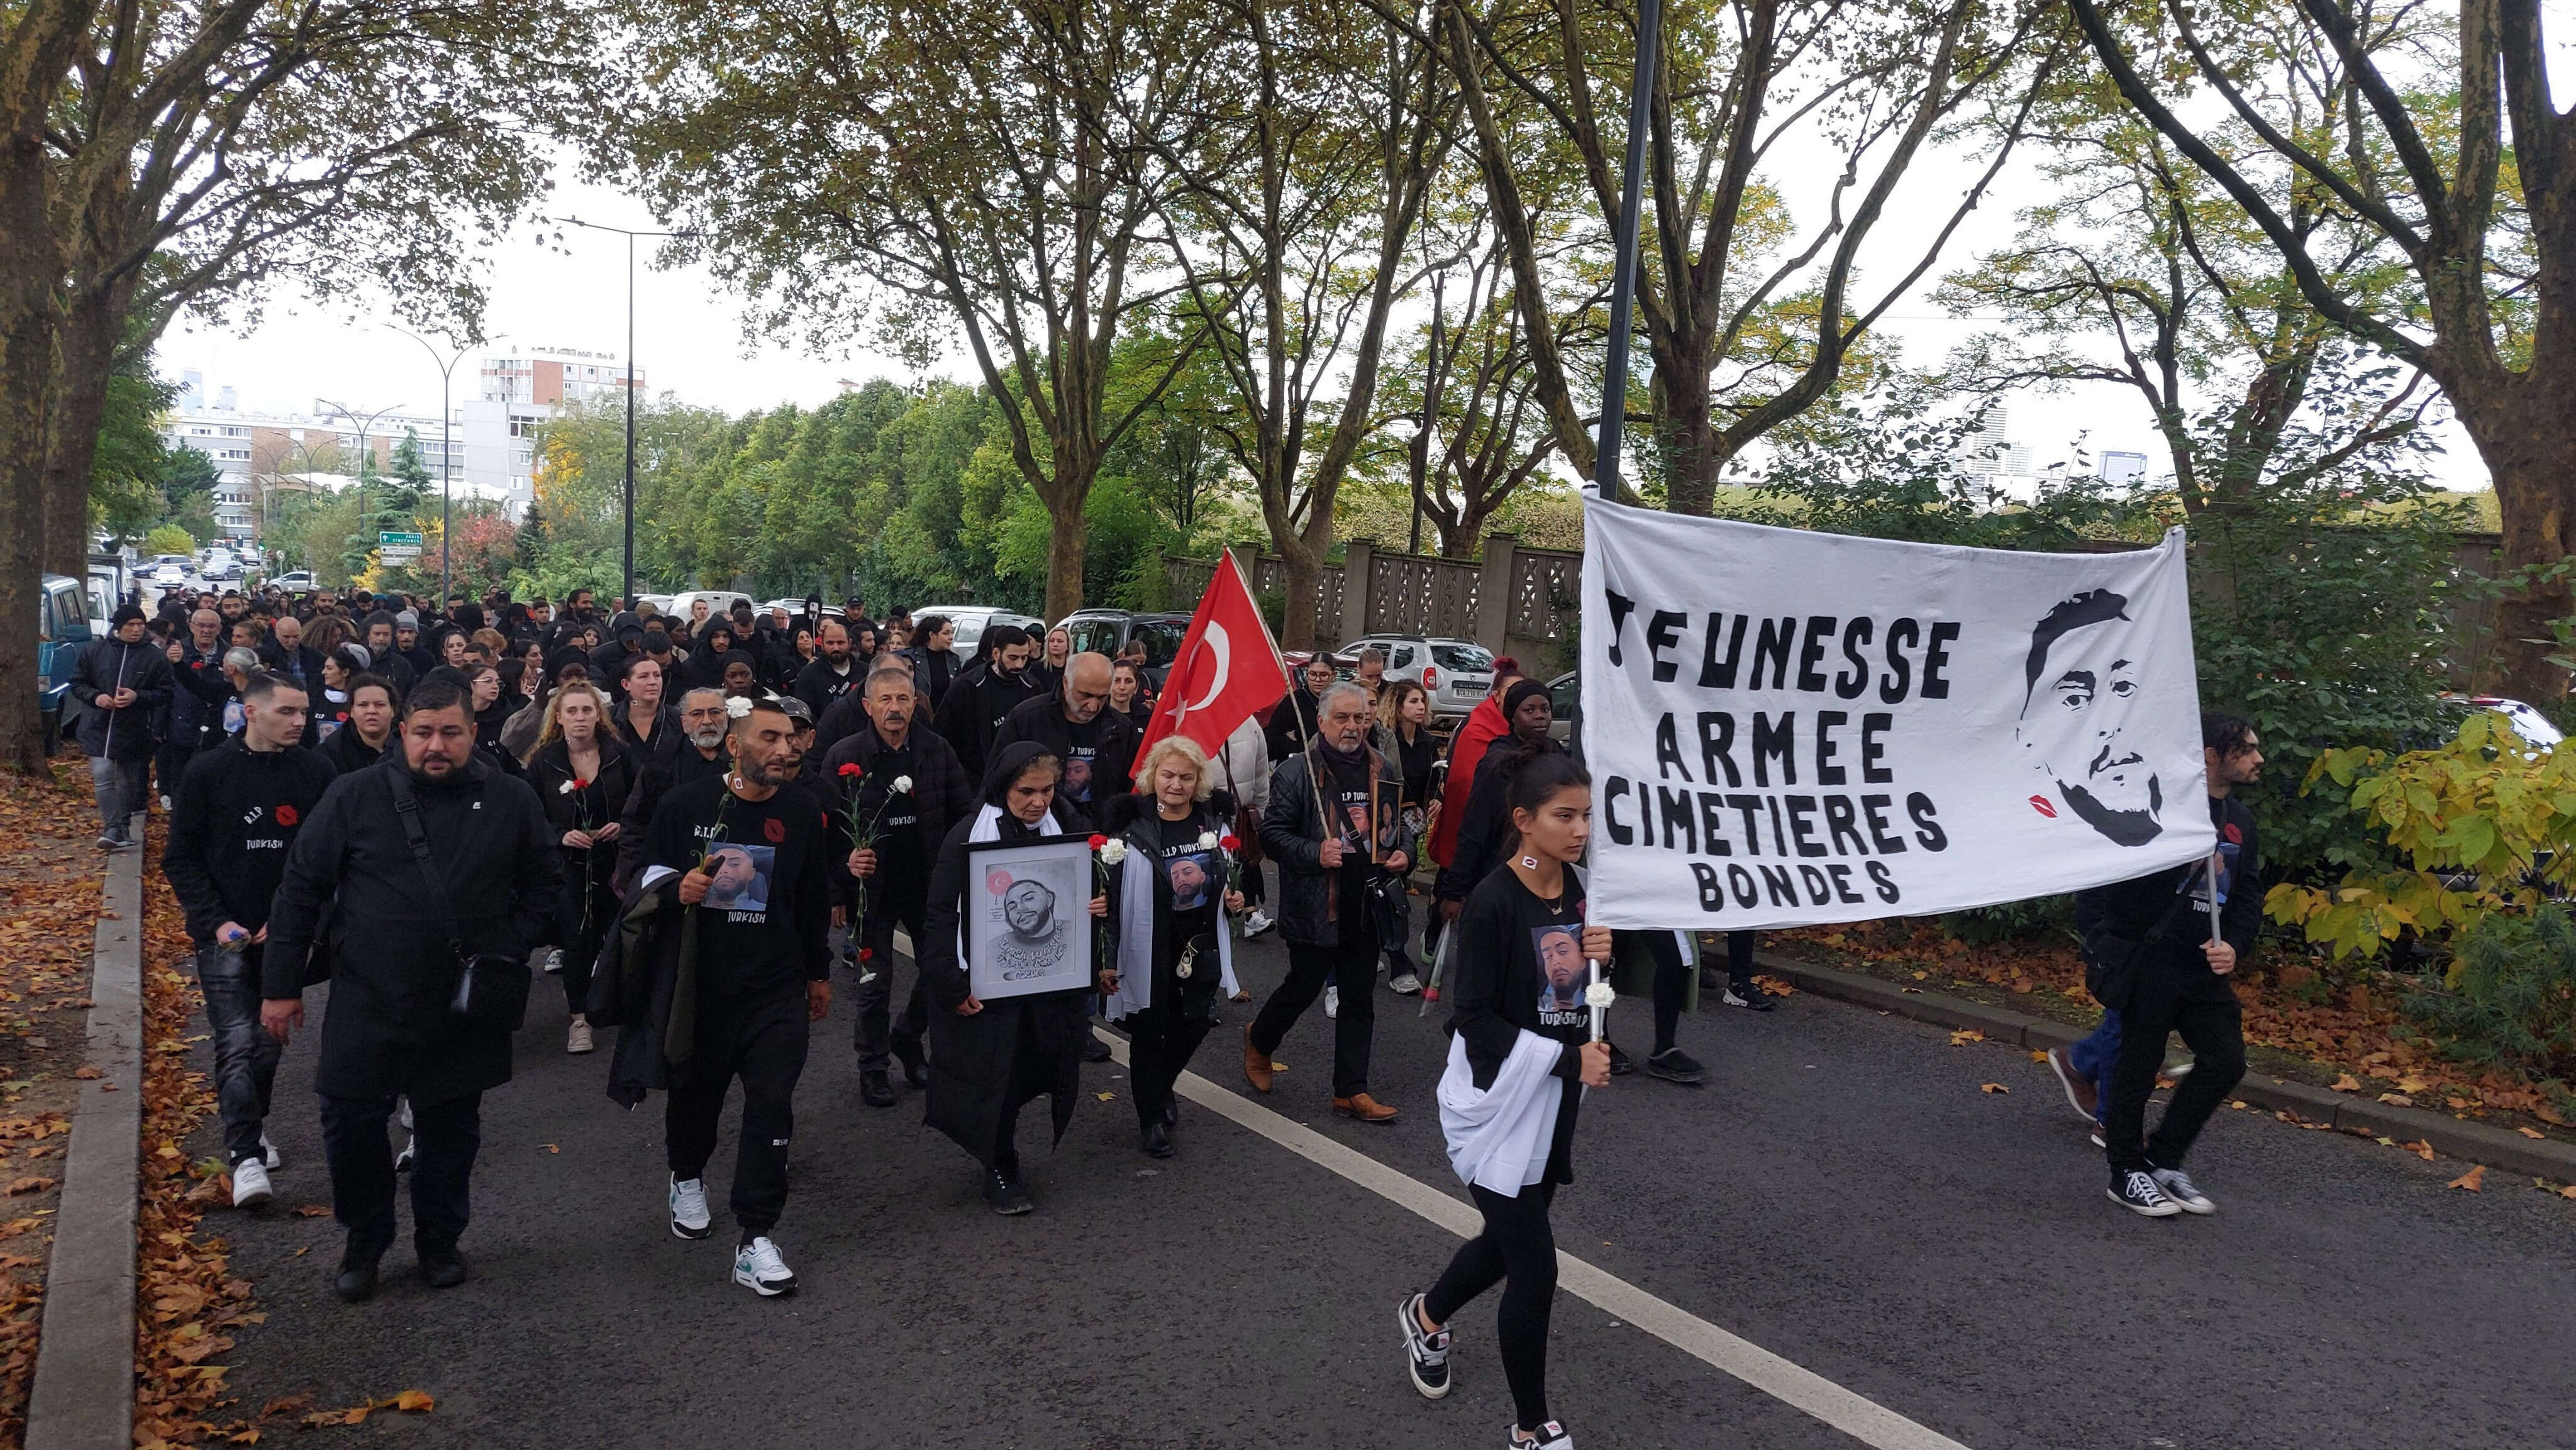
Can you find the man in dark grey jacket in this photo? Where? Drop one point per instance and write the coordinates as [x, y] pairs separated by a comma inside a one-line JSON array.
[[1334, 827], [123, 684], [391, 1031]]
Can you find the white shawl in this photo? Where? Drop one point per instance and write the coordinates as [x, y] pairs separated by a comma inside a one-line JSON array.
[[1136, 939], [1499, 1137], [988, 827]]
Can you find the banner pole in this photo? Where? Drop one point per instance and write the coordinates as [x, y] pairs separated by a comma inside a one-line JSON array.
[[1623, 277]]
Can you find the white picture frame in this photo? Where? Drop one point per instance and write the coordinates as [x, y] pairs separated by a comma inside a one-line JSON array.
[[1026, 917]]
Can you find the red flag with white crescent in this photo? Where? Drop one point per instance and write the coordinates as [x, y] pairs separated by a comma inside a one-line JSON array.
[[1227, 671]]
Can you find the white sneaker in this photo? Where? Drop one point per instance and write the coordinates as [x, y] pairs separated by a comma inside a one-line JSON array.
[[269, 1155], [554, 961], [577, 1037], [757, 1267], [689, 1208], [1332, 1001], [1550, 1436], [250, 1184], [1405, 984], [1255, 923], [2179, 1187], [402, 1160]]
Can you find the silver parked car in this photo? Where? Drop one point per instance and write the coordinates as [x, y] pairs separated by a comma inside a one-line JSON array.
[[1459, 673], [972, 620]]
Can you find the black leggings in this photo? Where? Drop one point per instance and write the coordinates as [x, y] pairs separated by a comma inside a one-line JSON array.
[[1672, 979], [1518, 1248]]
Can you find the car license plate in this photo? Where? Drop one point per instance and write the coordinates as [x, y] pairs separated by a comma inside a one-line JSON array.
[[1470, 687]]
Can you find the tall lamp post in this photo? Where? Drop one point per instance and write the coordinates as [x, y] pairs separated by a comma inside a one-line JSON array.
[[446, 446], [366, 450], [1623, 276], [628, 593]]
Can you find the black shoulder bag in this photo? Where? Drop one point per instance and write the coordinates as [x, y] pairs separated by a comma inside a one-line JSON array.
[[491, 989]]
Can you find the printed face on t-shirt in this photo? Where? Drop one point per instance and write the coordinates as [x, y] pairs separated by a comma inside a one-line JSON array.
[[740, 878], [1188, 874], [1560, 968], [1077, 777]]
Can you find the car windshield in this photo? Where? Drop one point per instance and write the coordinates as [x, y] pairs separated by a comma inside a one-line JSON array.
[[1472, 659], [1162, 639], [1094, 636]]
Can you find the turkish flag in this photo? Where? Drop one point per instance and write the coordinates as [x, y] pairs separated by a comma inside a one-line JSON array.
[[1228, 669]]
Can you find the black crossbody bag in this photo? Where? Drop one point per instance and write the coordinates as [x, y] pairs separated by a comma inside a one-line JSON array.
[[491, 989]]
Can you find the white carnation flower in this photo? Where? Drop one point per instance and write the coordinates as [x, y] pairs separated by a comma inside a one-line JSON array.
[[736, 707], [564, 789], [1599, 995], [1207, 840], [903, 785], [1113, 851]]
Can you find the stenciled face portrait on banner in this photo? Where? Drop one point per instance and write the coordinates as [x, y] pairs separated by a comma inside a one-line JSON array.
[[2083, 679]]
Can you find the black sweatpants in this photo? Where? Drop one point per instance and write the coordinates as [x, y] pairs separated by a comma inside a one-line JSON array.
[[1672, 978], [2214, 1030], [761, 1041], [1309, 968], [1519, 1248], [445, 1136], [872, 1034], [1161, 1038]]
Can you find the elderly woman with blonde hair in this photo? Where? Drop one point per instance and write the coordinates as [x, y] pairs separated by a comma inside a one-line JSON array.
[[1171, 901]]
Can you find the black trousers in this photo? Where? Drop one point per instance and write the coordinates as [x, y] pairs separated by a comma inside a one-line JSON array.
[[1672, 978], [1309, 968], [445, 1136], [762, 1042], [245, 1055], [1161, 1039], [870, 1034], [1518, 1249], [2214, 1030], [583, 916]]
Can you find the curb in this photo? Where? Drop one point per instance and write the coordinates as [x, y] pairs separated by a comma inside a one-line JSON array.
[[83, 1395], [2454, 1137]]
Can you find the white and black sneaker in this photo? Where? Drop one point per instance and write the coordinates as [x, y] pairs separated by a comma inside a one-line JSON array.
[[2177, 1185], [1748, 996], [250, 1184], [1255, 923], [757, 1267], [2137, 1192], [1426, 1354], [554, 962], [1405, 984], [1550, 1436], [1332, 1000], [268, 1154], [689, 1208]]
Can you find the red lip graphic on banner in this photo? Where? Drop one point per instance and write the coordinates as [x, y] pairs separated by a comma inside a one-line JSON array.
[[2040, 804], [286, 815], [775, 830]]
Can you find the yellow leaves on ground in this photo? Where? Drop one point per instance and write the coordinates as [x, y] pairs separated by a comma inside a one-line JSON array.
[[2473, 1180], [1993, 1087], [1966, 1035], [2533, 1133], [2347, 1083], [415, 1401]]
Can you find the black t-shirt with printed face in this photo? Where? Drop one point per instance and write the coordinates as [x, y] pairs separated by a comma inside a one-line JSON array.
[[763, 926], [1521, 968], [1185, 878], [1347, 788], [1081, 759]]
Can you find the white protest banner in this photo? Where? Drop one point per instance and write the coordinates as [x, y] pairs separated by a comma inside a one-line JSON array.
[[1789, 728]]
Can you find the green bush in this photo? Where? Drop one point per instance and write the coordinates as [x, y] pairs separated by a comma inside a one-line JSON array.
[[2510, 997], [1985, 926]]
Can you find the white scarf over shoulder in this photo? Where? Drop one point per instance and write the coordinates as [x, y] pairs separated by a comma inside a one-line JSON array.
[[1136, 938], [1499, 1137]]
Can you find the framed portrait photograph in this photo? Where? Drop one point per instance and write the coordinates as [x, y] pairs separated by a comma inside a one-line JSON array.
[[1027, 917]]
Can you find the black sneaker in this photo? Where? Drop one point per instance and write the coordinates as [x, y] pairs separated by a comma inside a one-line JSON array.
[[2137, 1192], [442, 1269], [1747, 996], [1620, 1063], [1095, 1050], [874, 1090], [1674, 1065], [916, 1068], [1004, 1191], [1550, 1436], [1426, 1355]]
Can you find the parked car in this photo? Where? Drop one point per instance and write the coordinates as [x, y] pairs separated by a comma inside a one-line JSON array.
[[972, 620], [294, 581], [1459, 673], [170, 569], [221, 564], [719, 601], [62, 632], [2527, 721], [1107, 631]]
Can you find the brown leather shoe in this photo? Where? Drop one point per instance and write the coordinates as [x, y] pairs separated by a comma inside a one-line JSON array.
[[1256, 1064], [1365, 1108]]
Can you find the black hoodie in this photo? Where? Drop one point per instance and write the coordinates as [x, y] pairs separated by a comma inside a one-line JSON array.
[[232, 822]]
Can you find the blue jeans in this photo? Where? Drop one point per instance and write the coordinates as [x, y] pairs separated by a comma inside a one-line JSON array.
[[2094, 1057], [245, 1055]]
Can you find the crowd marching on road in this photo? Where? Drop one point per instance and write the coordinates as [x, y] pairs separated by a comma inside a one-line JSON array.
[[427, 809]]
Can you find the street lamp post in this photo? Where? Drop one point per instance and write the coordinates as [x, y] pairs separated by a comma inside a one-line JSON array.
[[628, 594], [366, 450], [446, 450], [1623, 276]]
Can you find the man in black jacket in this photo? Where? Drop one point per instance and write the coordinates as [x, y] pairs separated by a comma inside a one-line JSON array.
[[980, 700], [831, 673], [1293, 723], [391, 1031], [1335, 827], [201, 690], [2162, 952], [889, 879], [693, 752], [123, 684], [232, 822], [384, 655], [1096, 745]]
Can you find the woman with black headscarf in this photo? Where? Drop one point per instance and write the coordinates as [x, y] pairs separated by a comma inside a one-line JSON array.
[[989, 1059]]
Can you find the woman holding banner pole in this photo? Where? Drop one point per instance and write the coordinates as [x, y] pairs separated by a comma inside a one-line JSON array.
[[1525, 1040]]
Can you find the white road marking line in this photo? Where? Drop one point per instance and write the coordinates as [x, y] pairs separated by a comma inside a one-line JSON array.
[[1861, 1418]]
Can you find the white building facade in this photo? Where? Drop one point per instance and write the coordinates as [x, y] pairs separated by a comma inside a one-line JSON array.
[[519, 394]]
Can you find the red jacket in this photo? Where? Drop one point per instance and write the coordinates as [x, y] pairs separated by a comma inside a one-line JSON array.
[[1483, 726]]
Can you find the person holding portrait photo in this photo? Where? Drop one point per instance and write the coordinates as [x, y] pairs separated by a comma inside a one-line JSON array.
[[990, 1059]]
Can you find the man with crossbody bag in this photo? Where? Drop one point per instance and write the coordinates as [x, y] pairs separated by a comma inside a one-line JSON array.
[[444, 874]]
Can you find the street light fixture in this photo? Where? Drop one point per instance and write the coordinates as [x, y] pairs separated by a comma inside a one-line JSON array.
[[366, 450], [628, 594], [446, 446]]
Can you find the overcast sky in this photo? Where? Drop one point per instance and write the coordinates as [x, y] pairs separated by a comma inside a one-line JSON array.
[[689, 337]]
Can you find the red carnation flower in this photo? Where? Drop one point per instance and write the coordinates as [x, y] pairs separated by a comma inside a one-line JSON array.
[[287, 815], [853, 768], [1229, 841], [581, 785], [867, 954], [1099, 841]]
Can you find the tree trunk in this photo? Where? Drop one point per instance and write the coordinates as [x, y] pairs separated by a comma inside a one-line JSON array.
[[2522, 434], [1687, 428], [1304, 571], [1065, 543], [88, 355], [29, 267]]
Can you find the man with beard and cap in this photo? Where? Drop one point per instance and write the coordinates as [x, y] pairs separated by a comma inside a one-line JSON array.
[[485, 894], [384, 657], [889, 878], [695, 752], [1097, 746], [747, 853], [830, 674], [988, 1059], [980, 701]]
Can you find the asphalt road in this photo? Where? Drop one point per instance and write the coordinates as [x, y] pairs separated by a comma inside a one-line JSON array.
[[1841, 1193]]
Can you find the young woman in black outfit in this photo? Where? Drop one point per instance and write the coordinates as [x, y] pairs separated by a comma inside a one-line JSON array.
[[582, 776], [1520, 990], [1404, 736]]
